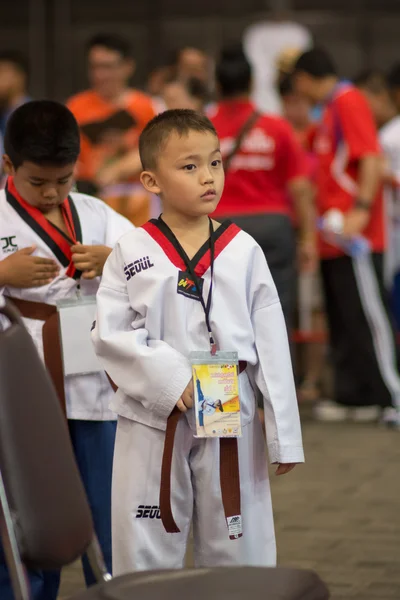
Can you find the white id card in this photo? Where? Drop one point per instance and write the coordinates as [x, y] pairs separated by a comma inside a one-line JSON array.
[[216, 394], [76, 317]]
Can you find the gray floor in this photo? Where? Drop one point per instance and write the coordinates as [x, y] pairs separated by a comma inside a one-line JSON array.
[[339, 514]]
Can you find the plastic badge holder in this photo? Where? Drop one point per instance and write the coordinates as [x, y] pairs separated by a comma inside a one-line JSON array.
[[216, 394], [76, 316]]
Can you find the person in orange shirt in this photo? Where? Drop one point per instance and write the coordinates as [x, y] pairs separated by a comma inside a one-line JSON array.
[[111, 115]]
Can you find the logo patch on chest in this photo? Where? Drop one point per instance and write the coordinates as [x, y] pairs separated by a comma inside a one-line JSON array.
[[8, 244], [187, 286], [137, 266]]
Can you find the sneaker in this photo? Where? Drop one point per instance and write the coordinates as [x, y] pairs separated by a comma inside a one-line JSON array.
[[365, 414], [330, 411], [391, 417]]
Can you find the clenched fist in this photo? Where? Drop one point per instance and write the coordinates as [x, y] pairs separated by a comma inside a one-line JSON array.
[[22, 270]]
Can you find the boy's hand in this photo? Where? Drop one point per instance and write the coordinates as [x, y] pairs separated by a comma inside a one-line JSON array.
[[90, 259], [284, 468], [21, 270], [186, 400]]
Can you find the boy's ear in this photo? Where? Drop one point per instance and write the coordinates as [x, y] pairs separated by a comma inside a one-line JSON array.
[[7, 165], [149, 182]]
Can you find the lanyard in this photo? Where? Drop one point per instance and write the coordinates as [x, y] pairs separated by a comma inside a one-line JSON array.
[[206, 305]]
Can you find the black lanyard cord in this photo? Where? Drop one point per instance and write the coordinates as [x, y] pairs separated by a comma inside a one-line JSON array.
[[206, 305]]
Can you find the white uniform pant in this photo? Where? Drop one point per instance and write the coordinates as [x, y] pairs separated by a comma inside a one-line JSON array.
[[139, 540]]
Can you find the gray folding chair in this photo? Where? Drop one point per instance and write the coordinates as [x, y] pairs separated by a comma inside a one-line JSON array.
[[45, 518]]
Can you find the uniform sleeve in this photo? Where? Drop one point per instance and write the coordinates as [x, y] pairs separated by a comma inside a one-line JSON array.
[[292, 155], [274, 374], [148, 371], [116, 226], [357, 125]]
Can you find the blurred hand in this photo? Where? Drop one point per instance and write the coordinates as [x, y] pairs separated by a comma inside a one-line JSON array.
[[284, 468], [22, 270], [90, 259], [187, 398], [355, 222]]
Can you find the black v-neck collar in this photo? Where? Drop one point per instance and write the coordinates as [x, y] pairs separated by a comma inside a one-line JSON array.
[[42, 233], [200, 262]]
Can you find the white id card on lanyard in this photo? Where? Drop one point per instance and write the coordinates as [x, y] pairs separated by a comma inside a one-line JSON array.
[[76, 316]]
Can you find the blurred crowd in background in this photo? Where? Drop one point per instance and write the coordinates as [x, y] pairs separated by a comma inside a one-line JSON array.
[[271, 177]]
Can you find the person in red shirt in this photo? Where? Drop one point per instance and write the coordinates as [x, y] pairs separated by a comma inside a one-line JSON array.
[[350, 180], [266, 186]]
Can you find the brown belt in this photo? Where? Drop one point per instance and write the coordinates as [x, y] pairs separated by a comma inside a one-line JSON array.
[[228, 472], [51, 339]]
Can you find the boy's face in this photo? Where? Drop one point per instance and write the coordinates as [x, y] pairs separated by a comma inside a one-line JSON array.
[[189, 176], [44, 187]]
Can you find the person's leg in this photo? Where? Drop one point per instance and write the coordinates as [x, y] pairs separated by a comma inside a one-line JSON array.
[[361, 336], [212, 545], [93, 443], [139, 539], [312, 319], [347, 390], [384, 382], [276, 236]]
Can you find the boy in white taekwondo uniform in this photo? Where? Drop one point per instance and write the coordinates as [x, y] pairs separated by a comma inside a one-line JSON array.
[[52, 243], [146, 327]]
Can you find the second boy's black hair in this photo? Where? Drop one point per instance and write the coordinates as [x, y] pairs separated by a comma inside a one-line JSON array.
[[112, 42], [155, 134], [317, 63], [42, 132]]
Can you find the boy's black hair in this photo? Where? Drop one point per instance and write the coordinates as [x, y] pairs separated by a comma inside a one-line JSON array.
[[372, 80], [285, 86], [394, 76], [317, 63], [154, 136], [233, 71], [111, 42], [16, 59], [42, 132]]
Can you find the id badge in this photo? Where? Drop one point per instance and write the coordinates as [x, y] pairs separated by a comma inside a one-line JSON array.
[[76, 316], [216, 394]]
